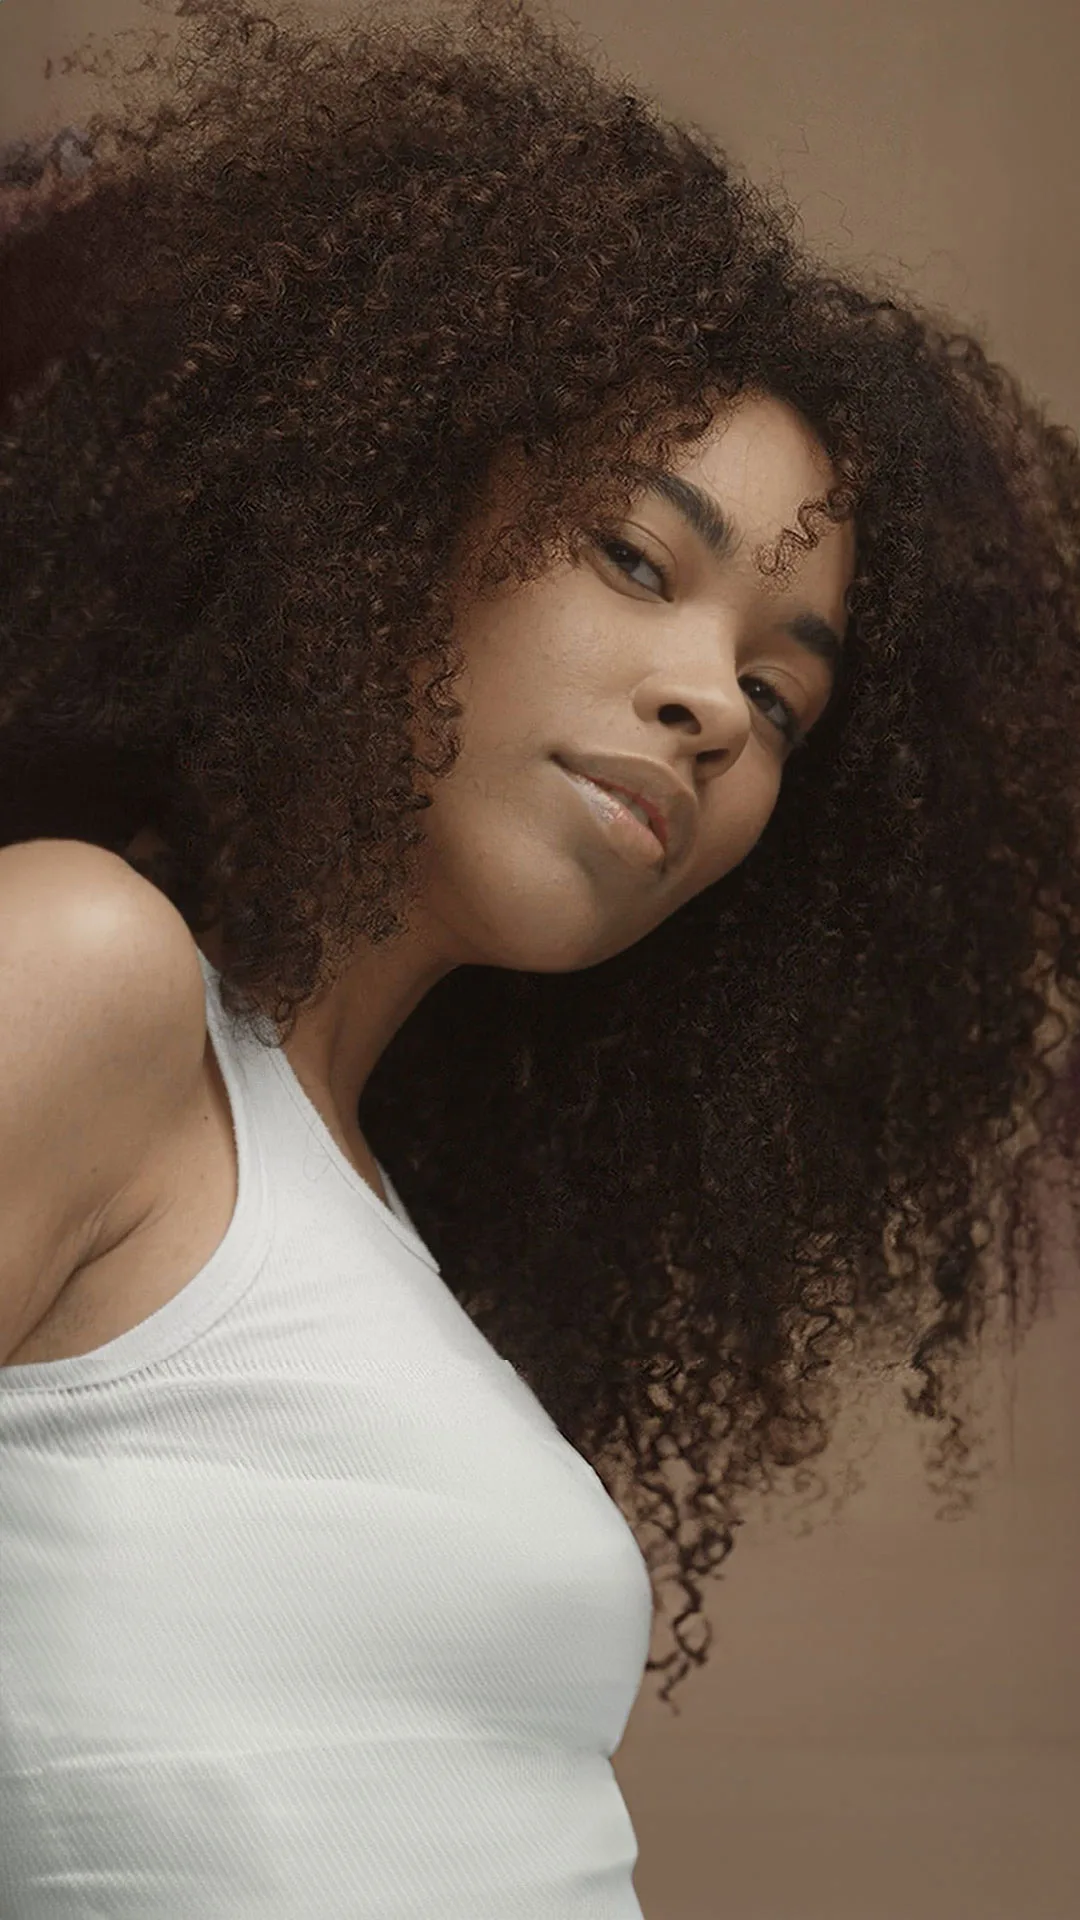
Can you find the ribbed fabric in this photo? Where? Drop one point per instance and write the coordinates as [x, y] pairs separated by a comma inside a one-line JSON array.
[[307, 1610]]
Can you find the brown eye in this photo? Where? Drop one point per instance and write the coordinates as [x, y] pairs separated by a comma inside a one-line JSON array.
[[782, 716], [621, 551]]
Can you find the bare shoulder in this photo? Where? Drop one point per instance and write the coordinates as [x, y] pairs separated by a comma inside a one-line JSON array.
[[88, 943], [101, 1052]]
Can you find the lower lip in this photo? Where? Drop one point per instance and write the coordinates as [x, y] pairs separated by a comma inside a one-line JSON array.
[[636, 843]]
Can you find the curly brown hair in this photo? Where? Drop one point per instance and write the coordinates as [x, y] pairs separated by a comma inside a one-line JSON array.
[[258, 367]]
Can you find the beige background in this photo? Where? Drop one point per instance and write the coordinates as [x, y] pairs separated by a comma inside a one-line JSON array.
[[889, 1724]]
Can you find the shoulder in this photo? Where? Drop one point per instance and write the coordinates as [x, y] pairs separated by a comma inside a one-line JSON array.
[[101, 1055], [81, 928]]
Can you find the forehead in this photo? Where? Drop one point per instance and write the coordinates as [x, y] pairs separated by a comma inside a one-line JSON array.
[[765, 453], [744, 482]]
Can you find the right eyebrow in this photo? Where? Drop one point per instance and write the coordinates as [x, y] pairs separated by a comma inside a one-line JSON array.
[[715, 527], [701, 511]]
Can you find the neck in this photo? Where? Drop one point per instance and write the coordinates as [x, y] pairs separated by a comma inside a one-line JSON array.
[[335, 1044]]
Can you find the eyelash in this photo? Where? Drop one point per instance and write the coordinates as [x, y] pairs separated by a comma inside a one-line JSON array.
[[790, 727]]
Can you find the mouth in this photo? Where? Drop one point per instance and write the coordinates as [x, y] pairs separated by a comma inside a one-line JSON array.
[[642, 809], [650, 790], [623, 819]]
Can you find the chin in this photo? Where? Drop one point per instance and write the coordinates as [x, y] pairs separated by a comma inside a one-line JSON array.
[[542, 942], [532, 908]]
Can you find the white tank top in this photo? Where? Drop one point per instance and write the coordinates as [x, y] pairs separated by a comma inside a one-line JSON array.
[[307, 1609]]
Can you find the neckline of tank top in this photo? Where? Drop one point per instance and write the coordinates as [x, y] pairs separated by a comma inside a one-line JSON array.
[[282, 1066]]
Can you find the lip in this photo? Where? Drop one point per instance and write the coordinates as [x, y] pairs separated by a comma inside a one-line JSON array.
[[671, 807]]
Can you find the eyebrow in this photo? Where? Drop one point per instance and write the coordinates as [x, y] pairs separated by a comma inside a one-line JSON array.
[[706, 517]]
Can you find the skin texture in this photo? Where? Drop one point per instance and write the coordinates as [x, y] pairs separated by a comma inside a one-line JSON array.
[[294, 482], [594, 657]]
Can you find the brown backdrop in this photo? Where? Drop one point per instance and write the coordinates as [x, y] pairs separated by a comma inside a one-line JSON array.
[[889, 1725]]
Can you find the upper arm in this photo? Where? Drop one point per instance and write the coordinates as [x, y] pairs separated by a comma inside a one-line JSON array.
[[102, 1037]]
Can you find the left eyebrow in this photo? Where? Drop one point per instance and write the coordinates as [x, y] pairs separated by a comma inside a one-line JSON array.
[[714, 527]]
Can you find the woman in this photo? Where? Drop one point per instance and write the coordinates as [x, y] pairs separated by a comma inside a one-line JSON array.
[[430, 429]]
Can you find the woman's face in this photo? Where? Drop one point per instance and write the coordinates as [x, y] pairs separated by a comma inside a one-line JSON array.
[[678, 656]]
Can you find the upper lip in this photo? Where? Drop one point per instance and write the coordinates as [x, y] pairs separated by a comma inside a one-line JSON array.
[[671, 807]]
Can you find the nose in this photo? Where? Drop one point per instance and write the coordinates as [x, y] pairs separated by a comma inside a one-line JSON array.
[[715, 712]]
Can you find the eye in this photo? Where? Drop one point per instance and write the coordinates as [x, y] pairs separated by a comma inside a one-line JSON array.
[[778, 711], [783, 716], [615, 548]]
